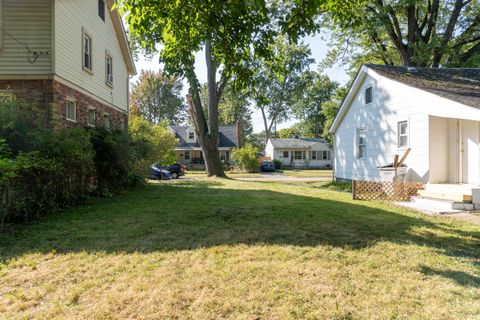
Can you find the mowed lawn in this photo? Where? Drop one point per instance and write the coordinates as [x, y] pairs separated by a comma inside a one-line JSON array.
[[226, 249]]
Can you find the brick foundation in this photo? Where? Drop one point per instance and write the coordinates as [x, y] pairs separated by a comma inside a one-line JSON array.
[[49, 98]]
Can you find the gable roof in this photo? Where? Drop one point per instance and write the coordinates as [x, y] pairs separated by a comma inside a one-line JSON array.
[[292, 143], [461, 85], [228, 137], [122, 38]]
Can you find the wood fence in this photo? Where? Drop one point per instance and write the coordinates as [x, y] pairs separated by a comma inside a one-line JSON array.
[[385, 191]]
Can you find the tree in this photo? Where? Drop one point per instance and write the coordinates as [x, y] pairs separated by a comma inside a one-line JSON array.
[[232, 33], [278, 85], [423, 33], [309, 104], [156, 97], [234, 107], [330, 110]]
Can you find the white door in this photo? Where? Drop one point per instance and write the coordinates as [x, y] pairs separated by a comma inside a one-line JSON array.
[[469, 152]]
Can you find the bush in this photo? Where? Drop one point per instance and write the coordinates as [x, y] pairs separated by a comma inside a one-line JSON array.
[[278, 164], [42, 171], [151, 144], [246, 158]]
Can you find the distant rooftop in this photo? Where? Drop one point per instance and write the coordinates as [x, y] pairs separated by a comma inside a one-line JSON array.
[[291, 143], [228, 137]]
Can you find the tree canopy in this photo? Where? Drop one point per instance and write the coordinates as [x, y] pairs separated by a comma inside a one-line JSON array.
[[157, 97], [423, 33]]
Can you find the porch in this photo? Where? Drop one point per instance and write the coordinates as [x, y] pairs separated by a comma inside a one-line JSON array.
[[194, 157]]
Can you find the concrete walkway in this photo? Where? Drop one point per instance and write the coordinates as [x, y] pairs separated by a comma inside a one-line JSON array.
[[439, 208]]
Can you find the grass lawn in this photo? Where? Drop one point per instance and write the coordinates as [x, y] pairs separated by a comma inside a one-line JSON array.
[[202, 174], [213, 249]]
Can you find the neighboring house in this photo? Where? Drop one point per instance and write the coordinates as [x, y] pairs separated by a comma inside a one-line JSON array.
[[69, 58], [300, 152], [435, 112], [189, 151]]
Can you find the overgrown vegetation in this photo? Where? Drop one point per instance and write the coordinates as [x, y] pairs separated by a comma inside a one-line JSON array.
[[246, 158], [44, 170]]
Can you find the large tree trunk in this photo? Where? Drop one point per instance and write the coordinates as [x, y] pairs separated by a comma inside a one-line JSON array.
[[207, 132]]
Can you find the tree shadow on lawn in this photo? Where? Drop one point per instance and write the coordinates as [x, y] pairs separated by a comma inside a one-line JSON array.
[[182, 216]]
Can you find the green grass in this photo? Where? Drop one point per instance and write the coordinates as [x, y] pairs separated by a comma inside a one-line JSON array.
[[226, 249]]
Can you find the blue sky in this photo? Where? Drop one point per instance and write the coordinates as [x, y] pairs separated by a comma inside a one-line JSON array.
[[318, 46]]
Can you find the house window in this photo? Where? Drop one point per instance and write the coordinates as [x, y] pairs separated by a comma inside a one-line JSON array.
[[313, 155], [187, 155], [92, 117], [71, 110], [101, 9], [402, 134], [299, 155], [361, 143], [109, 69], [368, 95], [107, 122], [325, 155], [87, 52], [223, 156], [285, 154], [191, 135]]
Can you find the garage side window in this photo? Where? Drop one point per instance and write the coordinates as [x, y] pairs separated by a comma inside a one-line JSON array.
[[402, 133], [361, 143]]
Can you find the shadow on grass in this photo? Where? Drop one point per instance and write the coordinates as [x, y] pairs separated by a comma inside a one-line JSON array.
[[460, 277], [189, 215]]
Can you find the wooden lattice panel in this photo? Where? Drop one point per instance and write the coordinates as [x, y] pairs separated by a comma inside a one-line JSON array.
[[385, 191]]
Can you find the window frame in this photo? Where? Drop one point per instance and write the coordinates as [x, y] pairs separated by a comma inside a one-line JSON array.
[[74, 102], [108, 76], [360, 133], [406, 134], [326, 156], [287, 153], [94, 124], [302, 155], [368, 88], [185, 155], [313, 155], [102, 10], [106, 117], [86, 35], [191, 135]]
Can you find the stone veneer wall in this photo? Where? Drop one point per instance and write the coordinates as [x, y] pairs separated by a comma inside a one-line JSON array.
[[50, 96]]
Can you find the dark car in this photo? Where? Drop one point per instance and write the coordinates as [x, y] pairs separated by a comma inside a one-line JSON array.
[[267, 166], [158, 173], [176, 170]]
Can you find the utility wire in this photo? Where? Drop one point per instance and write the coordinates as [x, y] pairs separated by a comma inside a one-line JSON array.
[[32, 56]]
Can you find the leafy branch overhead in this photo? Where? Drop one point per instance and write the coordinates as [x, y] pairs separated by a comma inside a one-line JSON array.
[[424, 33]]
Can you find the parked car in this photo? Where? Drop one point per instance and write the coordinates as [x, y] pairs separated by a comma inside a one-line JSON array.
[[158, 173], [267, 166], [176, 170]]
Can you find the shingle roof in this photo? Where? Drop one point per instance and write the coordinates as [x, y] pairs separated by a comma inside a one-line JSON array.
[[228, 137], [292, 143], [457, 84]]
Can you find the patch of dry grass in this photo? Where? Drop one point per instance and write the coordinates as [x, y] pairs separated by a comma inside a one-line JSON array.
[[215, 249]]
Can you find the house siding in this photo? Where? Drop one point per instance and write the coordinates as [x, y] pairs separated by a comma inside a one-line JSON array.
[[71, 18], [277, 153], [380, 120], [30, 22]]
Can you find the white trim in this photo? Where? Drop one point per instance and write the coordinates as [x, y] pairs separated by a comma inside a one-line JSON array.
[[399, 135], [108, 80], [74, 109], [91, 108], [365, 103], [87, 35]]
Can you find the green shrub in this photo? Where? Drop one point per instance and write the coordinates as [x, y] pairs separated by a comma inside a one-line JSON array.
[[151, 144], [246, 158], [278, 164]]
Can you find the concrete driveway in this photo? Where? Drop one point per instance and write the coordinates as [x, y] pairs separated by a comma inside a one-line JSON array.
[[276, 176]]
